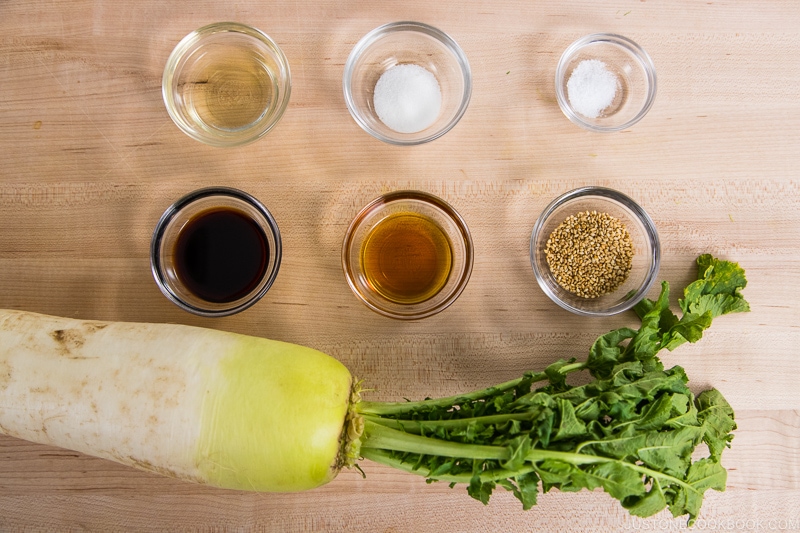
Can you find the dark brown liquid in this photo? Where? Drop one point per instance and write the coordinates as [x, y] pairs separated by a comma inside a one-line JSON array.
[[407, 258], [221, 255]]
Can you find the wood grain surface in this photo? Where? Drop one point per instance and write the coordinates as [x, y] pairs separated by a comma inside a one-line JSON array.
[[89, 159]]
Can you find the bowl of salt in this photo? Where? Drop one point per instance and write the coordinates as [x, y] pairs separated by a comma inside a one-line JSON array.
[[605, 82], [407, 83]]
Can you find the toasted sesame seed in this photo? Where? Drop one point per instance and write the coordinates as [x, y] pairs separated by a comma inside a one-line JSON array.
[[605, 247]]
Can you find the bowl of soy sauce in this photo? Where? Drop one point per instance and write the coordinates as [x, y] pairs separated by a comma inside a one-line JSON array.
[[216, 251]]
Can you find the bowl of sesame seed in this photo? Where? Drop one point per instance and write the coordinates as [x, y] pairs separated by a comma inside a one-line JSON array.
[[595, 251]]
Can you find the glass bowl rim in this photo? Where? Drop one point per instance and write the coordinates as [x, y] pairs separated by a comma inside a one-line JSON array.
[[651, 234], [187, 43], [440, 205], [186, 200], [644, 60], [375, 35]]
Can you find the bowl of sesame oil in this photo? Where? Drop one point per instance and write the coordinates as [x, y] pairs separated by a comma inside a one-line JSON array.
[[407, 255]]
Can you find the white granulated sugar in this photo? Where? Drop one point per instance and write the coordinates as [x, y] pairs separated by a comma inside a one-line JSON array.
[[407, 98], [591, 88]]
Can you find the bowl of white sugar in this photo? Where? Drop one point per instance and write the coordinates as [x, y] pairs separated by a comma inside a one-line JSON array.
[[407, 83], [605, 82]]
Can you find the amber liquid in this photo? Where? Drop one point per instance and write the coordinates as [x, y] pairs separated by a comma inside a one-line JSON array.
[[407, 258], [221, 255]]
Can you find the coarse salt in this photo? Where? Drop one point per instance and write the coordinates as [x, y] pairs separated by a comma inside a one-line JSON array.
[[407, 98], [591, 88]]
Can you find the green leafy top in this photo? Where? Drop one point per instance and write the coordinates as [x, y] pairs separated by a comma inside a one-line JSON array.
[[631, 431], [717, 291]]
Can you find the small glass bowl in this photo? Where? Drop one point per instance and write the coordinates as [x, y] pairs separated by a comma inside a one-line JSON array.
[[646, 247], [625, 60], [401, 229], [164, 257], [400, 43], [226, 84]]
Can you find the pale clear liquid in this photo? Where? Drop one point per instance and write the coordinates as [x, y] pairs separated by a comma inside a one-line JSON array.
[[229, 92]]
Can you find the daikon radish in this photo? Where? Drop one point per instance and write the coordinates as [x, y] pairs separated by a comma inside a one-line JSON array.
[[198, 404], [245, 413]]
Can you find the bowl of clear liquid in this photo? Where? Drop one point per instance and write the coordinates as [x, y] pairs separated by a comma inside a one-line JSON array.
[[226, 84]]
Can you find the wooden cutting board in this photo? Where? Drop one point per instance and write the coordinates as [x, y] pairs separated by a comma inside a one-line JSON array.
[[89, 159]]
